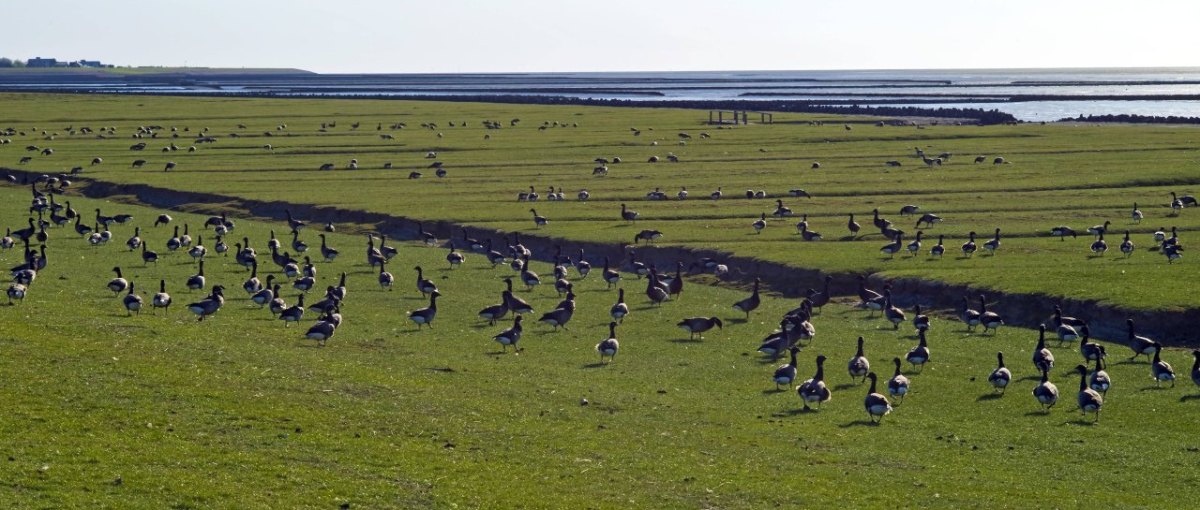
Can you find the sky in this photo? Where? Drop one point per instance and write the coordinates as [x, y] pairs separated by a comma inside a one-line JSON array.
[[458, 36]]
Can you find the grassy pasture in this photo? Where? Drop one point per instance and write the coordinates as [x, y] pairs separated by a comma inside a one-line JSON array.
[[103, 410], [1058, 174]]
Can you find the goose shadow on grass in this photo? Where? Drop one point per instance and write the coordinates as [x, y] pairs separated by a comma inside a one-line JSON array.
[[846, 386], [1038, 412], [859, 423], [598, 364], [687, 340], [794, 412], [987, 397], [1186, 398], [774, 391], [737, 320]]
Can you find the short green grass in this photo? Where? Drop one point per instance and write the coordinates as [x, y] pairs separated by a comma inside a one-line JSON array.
[[1077, 175], [103, 410]]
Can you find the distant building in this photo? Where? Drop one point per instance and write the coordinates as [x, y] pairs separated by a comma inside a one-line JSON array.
[[90, 63], [42, 62]]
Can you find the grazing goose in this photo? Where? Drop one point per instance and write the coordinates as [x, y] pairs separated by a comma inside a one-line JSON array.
[[682, 194], [1043, 359], [648, 235], [1100, 381], [132, 301], [196, 281], [118, 284], [1090, 400], [426, 315], [528, 277], [511, 335], [798, 193], [968, 248], [1139, 344], [918, 356], [210, 305], [809, 235], [876, 404], [1098, 230], [1161, 370], [1176, 204], [424, 286], [135, 242], [939, 249], [1062, 231], [696, 326], [609, 346], [611, 276], [582, 266], [292, 313], [859, 365], [1172, 252], [538, 220], [785, 374], [1136, 214], [1001, 376], [853, 227], [1046, 393], [454, 258], [920, 321], [915, 246], [1099, 246], [819, 299], [1090, 351], [751, 303], [989, 320], [16, 291], [292, 223], [252, 284], [929, 219], [760, 224], [892, 313], [628, 214], [620, 309], [909, 210], [814, 390], [1127, 245], [561, 315], [584, 195], [148, 256], [898, 385], [994, 244], [781, 211], [266, 294]]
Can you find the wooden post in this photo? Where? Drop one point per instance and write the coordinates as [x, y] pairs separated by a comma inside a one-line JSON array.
[[720, 117], [710, 116]]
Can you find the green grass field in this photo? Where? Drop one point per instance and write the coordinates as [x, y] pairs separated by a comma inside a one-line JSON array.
[[104, 410], [1057, 174]]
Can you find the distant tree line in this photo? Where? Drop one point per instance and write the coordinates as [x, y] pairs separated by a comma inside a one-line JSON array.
[[1133, 119], [6, 62]]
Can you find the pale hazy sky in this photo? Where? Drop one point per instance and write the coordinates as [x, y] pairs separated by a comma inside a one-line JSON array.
[[605, 35]]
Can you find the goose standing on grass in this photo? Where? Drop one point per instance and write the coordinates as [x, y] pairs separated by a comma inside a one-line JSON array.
[[196, 281], [118, 284], [221, 248], [620, 309], [326, 251], [1161, 370], [751, 303], [609, 346], [918, 356], [818, 299], [1046, 392], [582, 266], [1099, 246], [853, 227], [516, 304], [656, 291], [785, 374], [278, 305], [325, 327], [538, 220], [560, 315], [696, 326], [388, 252], [1090, 351], [968, 316], [929, 219], [1097, 230], [802, 225], [1139, 344], [814, 390], [990, 320], [132, 301], [148, 256], [876, 404], [1100, 381], [210, 305], [7, 241], [892, 313], [968, 248], [1136, 215], [16, 291], [611, 276], [162, 299], [866, 295], [716, 195], [292, 313], [1043, 359], [429, 238], [510, 336], [424, 285], [1001, 376], [298, 245], [1065, 332], [898, 385], [185, 240], [494, 312], [454, 257], [173, 243], [1160, 235], [135, 242], [781, 210], [859, 365], [760, 224], [1090, 400], [894, 247], [993, 245], [425, 316], [628, 214], [292, 223], [1196, 367], [915, 246], [265, 294], [1062, 231], [528, 277], [920, 321], [252, 284], [1127, 245]]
